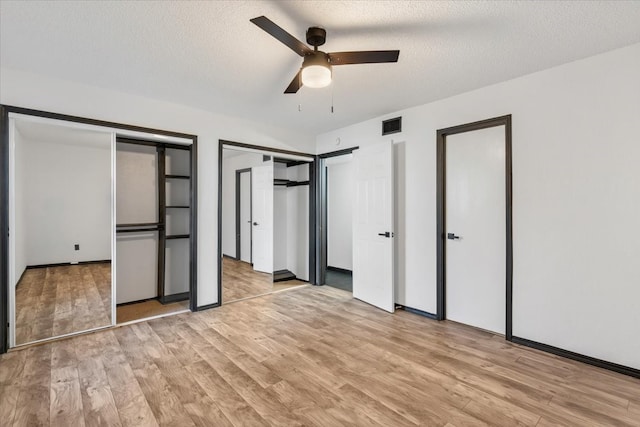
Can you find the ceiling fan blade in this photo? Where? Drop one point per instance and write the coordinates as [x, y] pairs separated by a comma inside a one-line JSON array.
[[293, 43], [364, 57], [295, 84]]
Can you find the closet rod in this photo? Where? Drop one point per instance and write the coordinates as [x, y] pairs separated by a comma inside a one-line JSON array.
[[297, 183], [134, 230], [140, 224]]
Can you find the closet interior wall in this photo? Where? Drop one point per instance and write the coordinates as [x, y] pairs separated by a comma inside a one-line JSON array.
[[153, 221], [291, 219], [298, 221], [280, 220], [137, 222]]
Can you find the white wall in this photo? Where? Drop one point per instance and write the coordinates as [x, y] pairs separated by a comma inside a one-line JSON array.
[[576, 198], [50, 94], [229, 167], [339, 213], [67, 198]]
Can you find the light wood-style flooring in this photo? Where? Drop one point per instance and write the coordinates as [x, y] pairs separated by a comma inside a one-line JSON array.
[[240, 280], [312, 356], [59, 300], [142, 310]]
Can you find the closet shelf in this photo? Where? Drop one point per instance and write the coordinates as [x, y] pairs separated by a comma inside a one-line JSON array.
[[178, 236], [177, 176], [177, 207]]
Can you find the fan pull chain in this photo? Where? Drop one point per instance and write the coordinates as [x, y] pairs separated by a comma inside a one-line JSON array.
[[331, 99]]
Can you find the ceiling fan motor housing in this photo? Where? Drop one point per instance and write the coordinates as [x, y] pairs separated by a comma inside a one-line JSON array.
[[316, 36], [316, 58]]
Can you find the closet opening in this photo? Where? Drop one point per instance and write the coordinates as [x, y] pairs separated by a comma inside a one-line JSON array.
[[266, 219], [152, 228]]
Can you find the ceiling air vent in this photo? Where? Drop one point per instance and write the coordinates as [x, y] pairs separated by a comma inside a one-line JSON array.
[[392, 126]]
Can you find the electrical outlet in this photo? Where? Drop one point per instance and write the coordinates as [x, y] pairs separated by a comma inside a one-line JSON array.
[[76, 247]]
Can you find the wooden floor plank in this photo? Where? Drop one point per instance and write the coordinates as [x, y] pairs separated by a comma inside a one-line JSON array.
[[33, 406], [66, 407], [132, 405], [9, 392], [236, 409], [97, 400]]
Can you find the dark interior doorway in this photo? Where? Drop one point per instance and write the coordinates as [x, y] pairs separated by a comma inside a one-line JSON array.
[[336, 219]]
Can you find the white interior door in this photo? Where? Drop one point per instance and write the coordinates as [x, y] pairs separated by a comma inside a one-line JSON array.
[[245, 216], [476, 229], [262, 206], [373, 226]]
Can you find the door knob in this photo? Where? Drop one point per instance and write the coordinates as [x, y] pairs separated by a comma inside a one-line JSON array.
[[255, 223], [452, 236], [385, 234]]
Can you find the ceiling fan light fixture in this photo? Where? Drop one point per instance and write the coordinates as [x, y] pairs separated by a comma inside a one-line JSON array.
[[316, 76], [316, 70]]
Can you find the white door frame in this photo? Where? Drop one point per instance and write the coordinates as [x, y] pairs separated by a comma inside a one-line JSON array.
[[441, 210]]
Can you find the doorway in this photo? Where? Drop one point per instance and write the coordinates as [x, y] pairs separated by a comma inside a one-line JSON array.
[[338, 182], [474, 200], [369, 185]]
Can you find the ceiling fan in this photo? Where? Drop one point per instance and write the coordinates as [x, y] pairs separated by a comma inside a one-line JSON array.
[[316, 65]]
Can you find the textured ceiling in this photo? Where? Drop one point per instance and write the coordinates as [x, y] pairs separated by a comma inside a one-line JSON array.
[[208, 55]]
